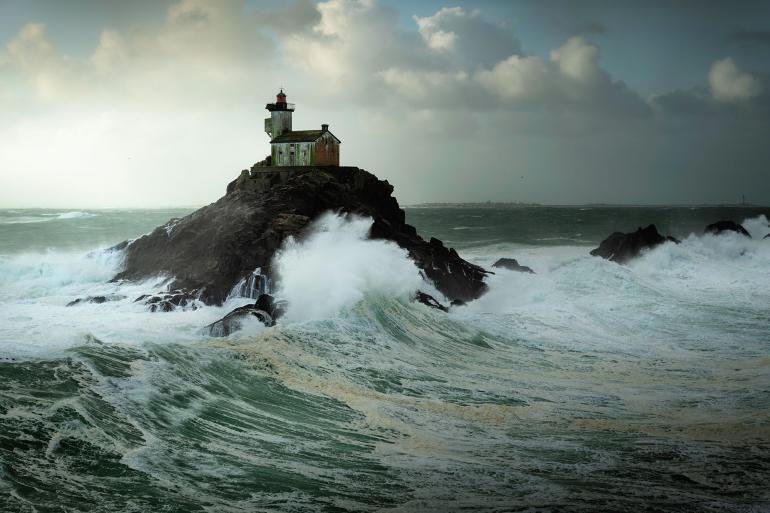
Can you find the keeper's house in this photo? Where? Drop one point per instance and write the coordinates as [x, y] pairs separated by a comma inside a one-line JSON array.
[[298, 147]]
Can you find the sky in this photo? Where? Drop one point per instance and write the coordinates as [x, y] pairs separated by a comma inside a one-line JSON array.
[[114, 104]]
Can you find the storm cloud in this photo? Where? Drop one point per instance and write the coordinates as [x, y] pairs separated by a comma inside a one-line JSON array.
[[452, 105]]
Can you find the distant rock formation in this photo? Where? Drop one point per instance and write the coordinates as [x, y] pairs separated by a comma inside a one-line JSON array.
[[210, 250], [726, 226], [512, 265], [622, 247]]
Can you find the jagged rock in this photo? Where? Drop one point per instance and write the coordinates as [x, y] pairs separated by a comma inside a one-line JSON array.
[[96, 299], [178, 299], [268, 303], [233, 321], [766, 236], [512, 265], [266, 309], [209, 250], [622, 247], [430, 301], [723, 226]]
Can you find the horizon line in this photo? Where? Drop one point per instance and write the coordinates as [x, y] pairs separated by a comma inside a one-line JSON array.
[[429, 204]]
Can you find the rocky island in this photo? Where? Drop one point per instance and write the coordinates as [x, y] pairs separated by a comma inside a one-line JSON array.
[[212, 249]]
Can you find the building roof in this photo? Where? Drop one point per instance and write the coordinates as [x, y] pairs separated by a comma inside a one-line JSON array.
[[298, 136]]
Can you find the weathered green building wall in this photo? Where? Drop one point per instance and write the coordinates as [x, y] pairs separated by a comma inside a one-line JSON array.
[[293, 154]]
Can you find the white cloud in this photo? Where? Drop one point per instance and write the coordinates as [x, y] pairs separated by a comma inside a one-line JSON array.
[[111, 51], [571, 80], [465, 38], [579, 60], [434, 36], [730, 84], [518, 78], [32, 57]]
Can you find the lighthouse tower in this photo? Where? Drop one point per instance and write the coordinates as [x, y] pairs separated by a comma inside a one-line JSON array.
[[279, 121], [295, 148]]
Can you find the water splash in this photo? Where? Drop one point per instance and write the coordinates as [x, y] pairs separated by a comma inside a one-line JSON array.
[[337, 264]]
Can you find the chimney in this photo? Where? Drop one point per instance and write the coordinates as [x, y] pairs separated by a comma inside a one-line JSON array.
[[324, 127]]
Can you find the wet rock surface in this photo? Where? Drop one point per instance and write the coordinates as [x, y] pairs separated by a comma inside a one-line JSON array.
[[96, 299], [168, 302], [213, 248], [512, 265], [726, 226], [266, 310], [428, 300], [622, 247]]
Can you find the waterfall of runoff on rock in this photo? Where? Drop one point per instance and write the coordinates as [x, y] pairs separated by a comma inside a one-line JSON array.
[[588, 386], [251, 286]]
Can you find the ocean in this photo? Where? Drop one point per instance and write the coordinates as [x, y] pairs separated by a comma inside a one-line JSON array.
[[588, 386]]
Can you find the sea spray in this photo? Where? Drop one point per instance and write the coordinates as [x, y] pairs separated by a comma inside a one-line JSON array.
[[35, 289], [758, 226], [334, 267], [29, 275]]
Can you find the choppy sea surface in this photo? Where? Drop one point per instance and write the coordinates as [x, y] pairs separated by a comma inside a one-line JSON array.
[[588, 386]]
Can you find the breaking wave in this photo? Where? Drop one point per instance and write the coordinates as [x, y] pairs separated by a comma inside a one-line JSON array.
[[43, 217], [336, 265]]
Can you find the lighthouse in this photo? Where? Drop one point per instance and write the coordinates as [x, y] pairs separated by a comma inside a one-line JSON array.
[[298, 147], [279, 121]]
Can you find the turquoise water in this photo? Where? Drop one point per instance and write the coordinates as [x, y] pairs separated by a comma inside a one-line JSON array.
[[588, 386]]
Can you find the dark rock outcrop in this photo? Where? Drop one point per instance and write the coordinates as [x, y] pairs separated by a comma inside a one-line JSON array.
[[430, 301], [766, 236], [210, 250], [726, 226], [266, 310], [622, 247], [512, 265], [96, 299]]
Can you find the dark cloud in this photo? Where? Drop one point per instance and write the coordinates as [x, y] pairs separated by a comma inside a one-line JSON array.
[[751, 37], [594, 27], [290, 17], [695, 102]]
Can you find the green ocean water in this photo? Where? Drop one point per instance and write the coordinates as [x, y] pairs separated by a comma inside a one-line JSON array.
[[588, 386]]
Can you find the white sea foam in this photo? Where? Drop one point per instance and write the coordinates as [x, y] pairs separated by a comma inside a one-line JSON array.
[[669, 293], [337, 264], [758, 227], [35, 289], [71, 215]]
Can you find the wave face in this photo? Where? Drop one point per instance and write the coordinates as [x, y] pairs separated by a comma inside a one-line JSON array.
[[588, 386]]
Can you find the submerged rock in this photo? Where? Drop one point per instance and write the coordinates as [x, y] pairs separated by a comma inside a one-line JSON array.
[[512, 265], [210, 250], [168, 302], [622, 247], [766, 236], [233, 321], [726, 226], [430, 301], [266, 310], [96, 299]]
